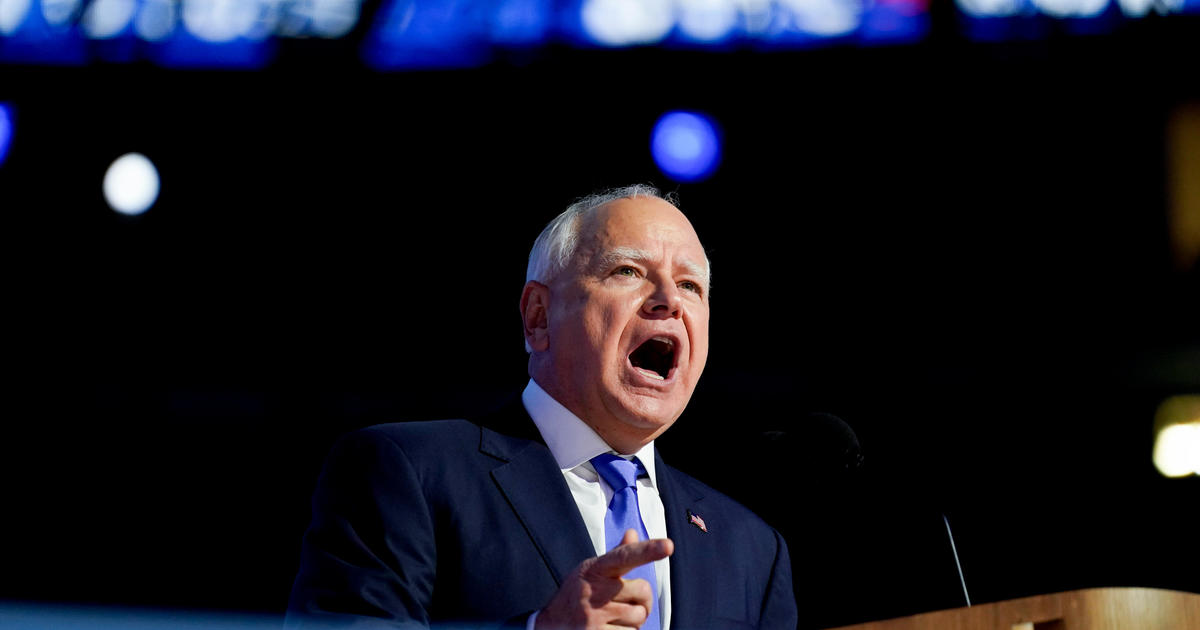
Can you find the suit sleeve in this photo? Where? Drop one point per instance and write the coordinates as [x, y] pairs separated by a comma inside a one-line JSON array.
[[369, 556], [779, 606]]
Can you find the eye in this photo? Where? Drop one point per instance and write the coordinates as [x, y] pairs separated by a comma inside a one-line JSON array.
[[688, 285], [626, 271]]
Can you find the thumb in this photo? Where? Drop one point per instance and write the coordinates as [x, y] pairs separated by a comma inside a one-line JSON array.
[[630, 537]]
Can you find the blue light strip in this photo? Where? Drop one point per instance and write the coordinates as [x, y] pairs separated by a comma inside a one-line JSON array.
[[6, 130], [407, 34], [172, 33], [1007, 20], [464, 33], [16, 616], [415, 34]]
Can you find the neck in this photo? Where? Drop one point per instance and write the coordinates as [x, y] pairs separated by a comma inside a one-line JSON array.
[[622, 437], [623, 444]]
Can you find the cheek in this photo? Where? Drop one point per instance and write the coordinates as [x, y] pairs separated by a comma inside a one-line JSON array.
[[698, 329], [606, 320], [600, 333]]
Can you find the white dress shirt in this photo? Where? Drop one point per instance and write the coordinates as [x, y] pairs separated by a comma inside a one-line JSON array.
[[573, 444]]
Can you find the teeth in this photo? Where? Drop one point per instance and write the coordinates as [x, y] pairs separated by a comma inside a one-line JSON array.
[[652, 374]]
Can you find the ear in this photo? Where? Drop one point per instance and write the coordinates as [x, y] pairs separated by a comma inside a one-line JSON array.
[[535, 306]]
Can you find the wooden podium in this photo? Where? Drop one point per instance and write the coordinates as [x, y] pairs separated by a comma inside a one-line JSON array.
[[1088, 609]]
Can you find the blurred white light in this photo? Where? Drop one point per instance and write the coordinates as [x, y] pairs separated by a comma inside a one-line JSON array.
[[131, 184], [265, 22], [1177, 450], [104, 19], [12, 15], [1135, 8], [1071, 8], [992, 8], [1139, 8], [707, 20], [827, 18], [334, 18], [322, 18], [156, 20], [292, 20], [757, 15], [59, 12], [219, 21], [627, 22]]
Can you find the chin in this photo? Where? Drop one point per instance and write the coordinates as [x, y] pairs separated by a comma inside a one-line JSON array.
[[649, 413]]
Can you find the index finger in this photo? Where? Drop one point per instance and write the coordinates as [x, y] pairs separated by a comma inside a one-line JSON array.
[[625, 558]]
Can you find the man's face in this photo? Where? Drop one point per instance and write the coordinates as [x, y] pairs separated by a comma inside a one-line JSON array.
[[628, 320]]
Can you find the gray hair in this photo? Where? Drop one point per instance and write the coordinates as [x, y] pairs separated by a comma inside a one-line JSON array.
[[556, 244]]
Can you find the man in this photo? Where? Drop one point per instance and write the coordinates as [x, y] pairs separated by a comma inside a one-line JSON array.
[[519, 518]]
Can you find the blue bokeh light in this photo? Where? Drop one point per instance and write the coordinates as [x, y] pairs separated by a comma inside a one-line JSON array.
[[686, 146], [6, 130], [412, 34]]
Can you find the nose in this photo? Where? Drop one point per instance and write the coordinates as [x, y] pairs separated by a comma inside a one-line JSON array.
[[664, 303]]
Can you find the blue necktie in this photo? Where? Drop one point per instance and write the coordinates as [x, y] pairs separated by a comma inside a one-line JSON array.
[[623, 513]]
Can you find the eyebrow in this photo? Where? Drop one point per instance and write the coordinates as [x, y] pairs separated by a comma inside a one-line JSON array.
[[618, 254]]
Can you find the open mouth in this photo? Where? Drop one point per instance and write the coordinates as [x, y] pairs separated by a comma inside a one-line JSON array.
[[654, 358]]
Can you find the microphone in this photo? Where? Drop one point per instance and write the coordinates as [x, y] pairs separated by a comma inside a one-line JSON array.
[[823, 443], [822, 509], [962, 580]]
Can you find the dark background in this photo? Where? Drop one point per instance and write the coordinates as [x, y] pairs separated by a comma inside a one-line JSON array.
[[960, 249]]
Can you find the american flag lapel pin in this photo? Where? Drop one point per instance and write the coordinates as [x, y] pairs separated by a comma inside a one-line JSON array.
[[695, 519]]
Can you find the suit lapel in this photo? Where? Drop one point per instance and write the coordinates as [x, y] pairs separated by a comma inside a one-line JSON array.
[[530, 480], [692, 584]]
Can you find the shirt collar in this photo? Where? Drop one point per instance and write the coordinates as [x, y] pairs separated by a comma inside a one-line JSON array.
[[571, 440]]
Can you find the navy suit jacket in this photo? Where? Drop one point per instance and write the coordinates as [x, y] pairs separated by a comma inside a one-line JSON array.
[[430, 523]]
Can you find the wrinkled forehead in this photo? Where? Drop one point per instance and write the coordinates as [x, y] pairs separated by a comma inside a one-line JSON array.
[[641, 229]]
